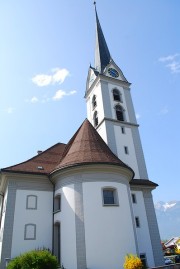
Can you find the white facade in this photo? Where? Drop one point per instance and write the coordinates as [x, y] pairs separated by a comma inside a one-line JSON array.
[[106, 225], [110, 128], [105, 233], [62, 206], [66, 218], [28, 231]]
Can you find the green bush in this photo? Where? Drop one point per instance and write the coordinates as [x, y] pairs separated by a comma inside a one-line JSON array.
[[35, 259]]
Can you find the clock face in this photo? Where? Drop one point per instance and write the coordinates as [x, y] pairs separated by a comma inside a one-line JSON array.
[[113, 73]]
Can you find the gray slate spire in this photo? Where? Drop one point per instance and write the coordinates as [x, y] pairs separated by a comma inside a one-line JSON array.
[[102, 54]]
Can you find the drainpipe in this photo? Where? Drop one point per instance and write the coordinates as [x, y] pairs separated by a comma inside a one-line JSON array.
[[52, 216], [2, 204]]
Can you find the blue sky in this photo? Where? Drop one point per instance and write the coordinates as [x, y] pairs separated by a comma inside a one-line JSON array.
[[45, 51]]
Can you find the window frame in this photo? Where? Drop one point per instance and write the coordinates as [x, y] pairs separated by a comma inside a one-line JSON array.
[[115, 196], [95, 118], [143, 259], [94, 101], [57, 203], [137, 221], [26, 230], [134, 199], [119, 112], [27, 205], [117, 95], [126, 150], [123, 130]]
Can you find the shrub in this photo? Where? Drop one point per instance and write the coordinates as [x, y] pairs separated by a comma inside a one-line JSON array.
[[35, 259], [132, 262], [177, 251]]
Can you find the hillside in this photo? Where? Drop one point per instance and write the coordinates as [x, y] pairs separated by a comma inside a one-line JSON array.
[[168, 217]]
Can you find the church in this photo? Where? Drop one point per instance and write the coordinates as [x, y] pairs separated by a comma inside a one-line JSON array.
[[89, 201]]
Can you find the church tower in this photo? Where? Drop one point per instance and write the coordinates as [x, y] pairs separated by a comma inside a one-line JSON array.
[[110, 108]]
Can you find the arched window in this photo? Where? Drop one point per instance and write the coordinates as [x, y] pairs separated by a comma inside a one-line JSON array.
[[95, 118], [117, 95], [94, 102], [109, 196], [119, 112]]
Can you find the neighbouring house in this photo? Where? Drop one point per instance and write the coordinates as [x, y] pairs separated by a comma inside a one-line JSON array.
[[172, 243]]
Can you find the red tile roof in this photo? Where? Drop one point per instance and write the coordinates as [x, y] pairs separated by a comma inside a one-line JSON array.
[[87, 147], [43, 163]]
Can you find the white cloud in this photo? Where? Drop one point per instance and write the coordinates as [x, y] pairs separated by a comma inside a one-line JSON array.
[[60, 94], [168, 58], [174, 67], [172, 62], [34, 99], [57, 76], [42, 80]]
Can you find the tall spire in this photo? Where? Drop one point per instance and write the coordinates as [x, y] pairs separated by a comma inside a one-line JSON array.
[[102, 54]]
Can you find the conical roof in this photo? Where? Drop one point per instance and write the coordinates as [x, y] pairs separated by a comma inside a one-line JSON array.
[[102, 54], [87, 147]]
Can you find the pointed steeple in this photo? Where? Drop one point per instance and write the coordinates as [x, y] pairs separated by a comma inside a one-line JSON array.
[[102, 54]]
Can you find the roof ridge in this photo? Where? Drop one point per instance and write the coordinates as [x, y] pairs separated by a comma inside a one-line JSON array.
[[31, 159], [70, 142]]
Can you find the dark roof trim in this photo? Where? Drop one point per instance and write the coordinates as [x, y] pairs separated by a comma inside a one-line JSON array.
[[143, 182], [23, 172]]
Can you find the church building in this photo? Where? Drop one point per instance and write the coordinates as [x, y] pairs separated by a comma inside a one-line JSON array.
[[89, 201]]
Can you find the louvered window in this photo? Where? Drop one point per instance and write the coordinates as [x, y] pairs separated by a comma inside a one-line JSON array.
[[119, 113], [117, 95], [95, 119]]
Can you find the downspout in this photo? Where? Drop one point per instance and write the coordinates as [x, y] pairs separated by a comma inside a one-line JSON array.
[[2, 204], [52, 216]]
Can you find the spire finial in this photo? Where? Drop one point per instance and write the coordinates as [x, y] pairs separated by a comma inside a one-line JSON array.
[[95, 3]]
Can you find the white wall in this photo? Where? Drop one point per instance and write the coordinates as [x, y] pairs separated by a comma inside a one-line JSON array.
[[99, 108], [126, 140], [111, 131], [144, 241], [41, 217], [67, 225], [3, 219], [109, 233]]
